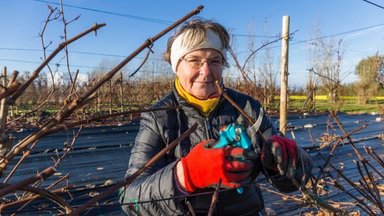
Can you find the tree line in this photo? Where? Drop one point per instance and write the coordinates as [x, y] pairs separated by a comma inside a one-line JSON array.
[[126, 93]]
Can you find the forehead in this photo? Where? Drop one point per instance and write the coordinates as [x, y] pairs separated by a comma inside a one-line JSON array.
[[204, 53]]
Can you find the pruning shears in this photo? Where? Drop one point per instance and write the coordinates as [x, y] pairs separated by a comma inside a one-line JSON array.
[[236, 135], [233, 135]]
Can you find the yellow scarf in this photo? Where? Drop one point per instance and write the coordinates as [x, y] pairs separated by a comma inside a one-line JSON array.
[[204, 106]]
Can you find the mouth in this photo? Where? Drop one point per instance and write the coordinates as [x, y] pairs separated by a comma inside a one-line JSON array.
[[204, 82]]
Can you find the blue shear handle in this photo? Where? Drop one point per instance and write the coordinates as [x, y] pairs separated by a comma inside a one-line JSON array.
[[234, 135]]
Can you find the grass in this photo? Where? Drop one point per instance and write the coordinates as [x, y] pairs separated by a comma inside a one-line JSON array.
[[349, 106]]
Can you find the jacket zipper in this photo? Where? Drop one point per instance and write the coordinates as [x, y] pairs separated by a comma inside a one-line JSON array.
[[208, 128]]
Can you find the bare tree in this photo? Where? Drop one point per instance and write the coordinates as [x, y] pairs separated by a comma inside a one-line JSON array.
[[326, 56], [268, 75], [104, 95], [250, 67], [311, 88], [259, 83], [268, 69]]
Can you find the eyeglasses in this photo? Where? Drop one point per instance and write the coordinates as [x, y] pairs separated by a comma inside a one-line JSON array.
[[197, 63]]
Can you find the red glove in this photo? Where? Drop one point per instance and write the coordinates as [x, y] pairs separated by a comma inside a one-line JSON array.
[[204, 166], [280, 154]]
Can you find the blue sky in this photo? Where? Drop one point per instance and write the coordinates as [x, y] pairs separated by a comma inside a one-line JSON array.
[[130, 23]]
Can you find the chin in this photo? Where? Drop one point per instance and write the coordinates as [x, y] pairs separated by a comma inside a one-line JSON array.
[[204, 96], [201, 96]]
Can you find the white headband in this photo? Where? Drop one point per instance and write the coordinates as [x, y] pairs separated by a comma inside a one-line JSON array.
[[182, 46]]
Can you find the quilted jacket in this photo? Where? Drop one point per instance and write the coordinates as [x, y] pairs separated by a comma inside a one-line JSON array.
[[155, 191]]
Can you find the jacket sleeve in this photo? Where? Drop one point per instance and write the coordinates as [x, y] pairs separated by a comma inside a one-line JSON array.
[[149, 192]]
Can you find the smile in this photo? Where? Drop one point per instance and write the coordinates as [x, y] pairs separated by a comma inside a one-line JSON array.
[[203, 82]]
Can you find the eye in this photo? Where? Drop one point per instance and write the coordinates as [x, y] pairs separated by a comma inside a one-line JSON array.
[[216, 62], [194, 61]]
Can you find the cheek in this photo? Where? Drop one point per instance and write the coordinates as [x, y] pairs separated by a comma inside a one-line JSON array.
[[217, 75], [186, 78]]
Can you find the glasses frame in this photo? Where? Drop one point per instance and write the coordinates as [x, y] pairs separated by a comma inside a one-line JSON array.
[[196, 63]]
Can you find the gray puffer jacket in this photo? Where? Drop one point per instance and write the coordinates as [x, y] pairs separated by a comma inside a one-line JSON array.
[[156, 191]]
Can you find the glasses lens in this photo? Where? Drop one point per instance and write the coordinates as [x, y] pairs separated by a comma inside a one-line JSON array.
[[197, 63], [216, 62]]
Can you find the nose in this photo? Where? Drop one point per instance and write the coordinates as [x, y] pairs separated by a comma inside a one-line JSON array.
[[204, 69]]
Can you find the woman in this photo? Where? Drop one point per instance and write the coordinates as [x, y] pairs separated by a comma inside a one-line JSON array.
[[197, 54]]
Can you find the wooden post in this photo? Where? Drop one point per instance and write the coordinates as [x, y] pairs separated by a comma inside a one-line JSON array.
[[4, 138], [110, 97], [121, 92], [284, 74], [313, 92], [3, 105]]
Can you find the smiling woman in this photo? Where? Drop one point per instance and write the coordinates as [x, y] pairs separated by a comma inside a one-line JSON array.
[[197, 54]]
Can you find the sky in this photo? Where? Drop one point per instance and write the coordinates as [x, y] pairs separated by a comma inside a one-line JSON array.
[[129, 23]]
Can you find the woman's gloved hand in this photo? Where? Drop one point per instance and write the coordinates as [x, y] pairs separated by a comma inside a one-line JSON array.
[[204, 166], [280, 154]]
